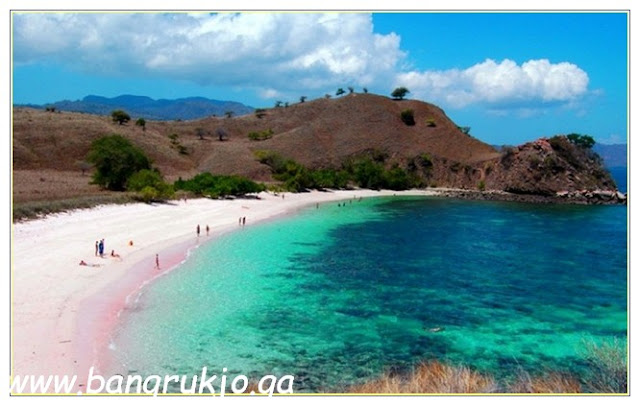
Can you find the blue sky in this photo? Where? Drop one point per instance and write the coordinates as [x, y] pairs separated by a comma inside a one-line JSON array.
[[511, 77]]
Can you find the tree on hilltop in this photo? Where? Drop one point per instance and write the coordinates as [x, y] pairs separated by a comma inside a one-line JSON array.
[[585, 141], [340, 91], [221, 133], [399, 93], [120, 117], [142, 123]]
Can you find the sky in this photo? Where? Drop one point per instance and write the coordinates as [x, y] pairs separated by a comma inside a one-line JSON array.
[[512, 77]]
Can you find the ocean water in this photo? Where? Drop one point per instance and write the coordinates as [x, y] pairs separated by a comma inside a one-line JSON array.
[[337, 295], [619, 174]]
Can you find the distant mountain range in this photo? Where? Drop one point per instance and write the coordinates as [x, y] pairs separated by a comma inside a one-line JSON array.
[[190, 108], [614, 155]]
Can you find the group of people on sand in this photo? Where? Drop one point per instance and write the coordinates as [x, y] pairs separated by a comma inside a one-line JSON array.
[[207, 229], [242, 221], [99, 252], [100, 248]]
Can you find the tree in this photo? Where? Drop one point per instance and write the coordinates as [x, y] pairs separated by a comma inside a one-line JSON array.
[[84, 166], [120, 117], [200, 133], [465, 130], [340, 91], [260, 113], [365, 90], [221, 133], [302, 99], [399, 93], [585, 141], [278, 103], [229, 113], [115, 159], [350, 89], [142, 123]]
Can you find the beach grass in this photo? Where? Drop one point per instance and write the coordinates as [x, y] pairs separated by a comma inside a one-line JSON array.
[[431, 377], [606, 374], [35, 209]]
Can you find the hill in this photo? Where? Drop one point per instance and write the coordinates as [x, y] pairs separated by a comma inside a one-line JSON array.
[[323, 133], [140, 106]]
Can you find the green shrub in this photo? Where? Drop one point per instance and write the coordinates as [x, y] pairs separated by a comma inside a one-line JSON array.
[[146, 179], [261, 135], [425, 161], [365, 171], [481, 185], [397, 178], [330, 179], [115, 159], [182, 150], [206, 184], [369, 174], [148, 194], [431, 122], [407, 117]]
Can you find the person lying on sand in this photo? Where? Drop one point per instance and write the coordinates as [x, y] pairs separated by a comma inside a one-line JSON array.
[[82, 263], [116, 256]]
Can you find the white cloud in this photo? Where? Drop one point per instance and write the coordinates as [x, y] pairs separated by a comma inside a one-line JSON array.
[[498, 85], [284, 51], [281, 55]]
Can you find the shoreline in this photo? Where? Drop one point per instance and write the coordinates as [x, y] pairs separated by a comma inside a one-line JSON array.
[[63, 314]]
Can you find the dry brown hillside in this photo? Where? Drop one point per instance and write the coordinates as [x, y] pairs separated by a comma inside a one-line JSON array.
[[317, 133], [49, 147]]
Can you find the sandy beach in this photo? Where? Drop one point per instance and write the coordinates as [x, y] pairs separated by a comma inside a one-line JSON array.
[[62, 312]]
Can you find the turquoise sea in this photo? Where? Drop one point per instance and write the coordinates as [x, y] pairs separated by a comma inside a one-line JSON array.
[[337, 295]]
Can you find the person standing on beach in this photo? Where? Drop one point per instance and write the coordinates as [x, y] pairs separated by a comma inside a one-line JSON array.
[[97, 248], [239, 221], [207, 228], [157, 262], [101, 247], [244, 221], [198, 230]]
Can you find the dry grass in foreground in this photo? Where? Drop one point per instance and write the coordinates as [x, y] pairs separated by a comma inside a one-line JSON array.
[[430, 377], [606, 374]]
